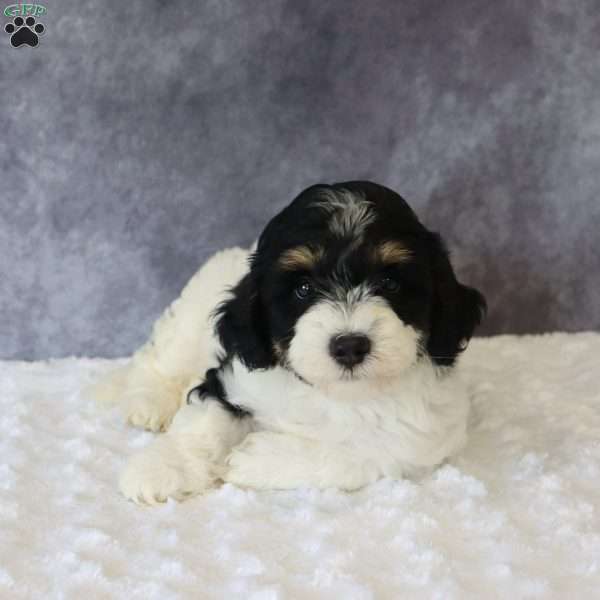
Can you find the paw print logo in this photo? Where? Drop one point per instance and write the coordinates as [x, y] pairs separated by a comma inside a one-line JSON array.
[[24, 31]]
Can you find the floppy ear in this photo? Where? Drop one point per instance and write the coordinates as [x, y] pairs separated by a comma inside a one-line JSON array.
[[456, 310], [242, 328]]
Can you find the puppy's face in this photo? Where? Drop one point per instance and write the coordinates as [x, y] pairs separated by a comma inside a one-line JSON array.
[[347, 284]]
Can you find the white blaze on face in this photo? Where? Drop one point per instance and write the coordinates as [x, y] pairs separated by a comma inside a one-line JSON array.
[[394, 345], [350, 213]]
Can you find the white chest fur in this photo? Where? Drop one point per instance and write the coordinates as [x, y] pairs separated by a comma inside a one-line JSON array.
[[402, 426]]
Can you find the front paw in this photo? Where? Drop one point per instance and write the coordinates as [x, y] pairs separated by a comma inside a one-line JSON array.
[[266, 460], [245, 471], [158, 473], [259, 462]]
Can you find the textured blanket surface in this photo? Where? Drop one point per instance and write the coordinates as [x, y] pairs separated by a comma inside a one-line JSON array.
[[516, 515]]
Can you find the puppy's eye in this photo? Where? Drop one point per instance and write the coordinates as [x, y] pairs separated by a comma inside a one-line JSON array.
[[304, 290], [388, 284]]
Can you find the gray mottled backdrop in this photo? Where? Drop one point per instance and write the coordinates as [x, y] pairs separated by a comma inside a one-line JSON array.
[[141, 136]]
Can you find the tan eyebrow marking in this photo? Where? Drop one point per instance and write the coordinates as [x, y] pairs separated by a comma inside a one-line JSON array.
[[300, 257], [392, 252]]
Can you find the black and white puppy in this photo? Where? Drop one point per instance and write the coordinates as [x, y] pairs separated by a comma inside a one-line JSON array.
[[326, 355]]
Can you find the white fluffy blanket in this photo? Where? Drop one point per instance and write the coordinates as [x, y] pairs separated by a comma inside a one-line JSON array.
[[516, 515]]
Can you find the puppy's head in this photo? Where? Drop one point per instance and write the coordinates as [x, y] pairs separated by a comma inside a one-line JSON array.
[[346, 283]]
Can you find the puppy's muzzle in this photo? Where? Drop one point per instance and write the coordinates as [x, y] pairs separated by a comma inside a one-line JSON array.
[[349, 350]]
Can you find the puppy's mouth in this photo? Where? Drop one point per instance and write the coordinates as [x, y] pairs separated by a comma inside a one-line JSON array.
[[298, 376], [352, 374], [344, 375], [284, 362]]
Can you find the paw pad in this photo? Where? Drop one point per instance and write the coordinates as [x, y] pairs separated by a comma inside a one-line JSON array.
[[24, 31]]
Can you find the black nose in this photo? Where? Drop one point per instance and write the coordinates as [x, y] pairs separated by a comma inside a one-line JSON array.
[[349, 350]]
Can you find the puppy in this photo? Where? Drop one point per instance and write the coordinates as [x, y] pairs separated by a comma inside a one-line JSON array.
[[326, 356]]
